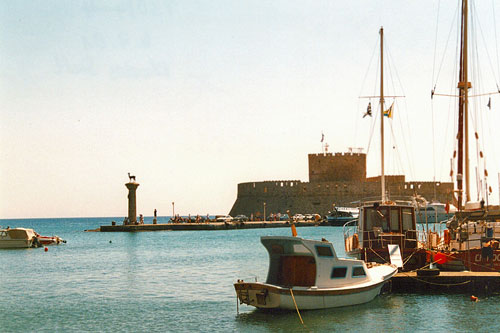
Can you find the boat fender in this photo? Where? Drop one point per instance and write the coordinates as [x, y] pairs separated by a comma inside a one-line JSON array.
[[355, 241], [446, 237]]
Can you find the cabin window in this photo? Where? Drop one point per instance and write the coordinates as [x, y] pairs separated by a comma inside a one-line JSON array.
[[407, 219], [324, 251], [299, 248], [339, 272], [377, 218], [395, 220], [358, 271]]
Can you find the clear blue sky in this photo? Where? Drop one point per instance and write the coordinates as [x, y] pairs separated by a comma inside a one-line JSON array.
[[194, 97]]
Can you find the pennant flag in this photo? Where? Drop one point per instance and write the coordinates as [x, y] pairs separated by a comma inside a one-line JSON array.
[[388, 112], [489, 104], [368, 110], [322, 137]]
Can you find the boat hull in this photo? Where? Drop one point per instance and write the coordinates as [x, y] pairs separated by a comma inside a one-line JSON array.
[[474, 260], [15, 243], [265, 296]]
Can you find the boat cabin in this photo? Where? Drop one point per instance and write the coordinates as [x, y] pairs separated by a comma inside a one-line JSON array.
[[297, 262], [380, 225]]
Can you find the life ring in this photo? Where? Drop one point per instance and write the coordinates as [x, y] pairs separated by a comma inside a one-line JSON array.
[[446, 236], [355, 241]]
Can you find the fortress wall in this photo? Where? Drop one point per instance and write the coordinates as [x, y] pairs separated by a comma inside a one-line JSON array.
[[337, 167], [318, 198], [334, 178]]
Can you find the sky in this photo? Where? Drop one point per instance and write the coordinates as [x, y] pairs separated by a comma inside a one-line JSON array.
[[194, 97]]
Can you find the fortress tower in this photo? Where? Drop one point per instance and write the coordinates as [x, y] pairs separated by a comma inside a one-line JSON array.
[[337, 167]]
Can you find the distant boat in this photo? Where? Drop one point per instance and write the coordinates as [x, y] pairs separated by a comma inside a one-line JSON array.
[[307, 274], [434, 212], [18, 238], [340, 216], [11, 238]]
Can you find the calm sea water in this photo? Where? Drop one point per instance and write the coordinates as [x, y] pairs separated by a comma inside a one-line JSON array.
[[182, 281]]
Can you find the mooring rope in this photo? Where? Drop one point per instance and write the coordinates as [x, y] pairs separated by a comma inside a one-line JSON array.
[[296, 307]]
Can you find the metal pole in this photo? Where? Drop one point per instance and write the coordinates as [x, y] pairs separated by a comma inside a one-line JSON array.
[[382, 177], [264, 211]]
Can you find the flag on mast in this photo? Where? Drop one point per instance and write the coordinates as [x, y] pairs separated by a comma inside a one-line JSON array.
[[322, 137], [489, 103], [368, 110], [388, 112]]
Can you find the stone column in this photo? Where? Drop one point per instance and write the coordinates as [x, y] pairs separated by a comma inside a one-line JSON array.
[[132, 210]]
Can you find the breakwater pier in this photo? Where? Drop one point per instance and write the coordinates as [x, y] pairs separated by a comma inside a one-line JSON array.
[[204, 226]]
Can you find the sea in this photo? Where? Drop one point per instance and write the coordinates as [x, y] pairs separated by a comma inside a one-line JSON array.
[[182, 281]]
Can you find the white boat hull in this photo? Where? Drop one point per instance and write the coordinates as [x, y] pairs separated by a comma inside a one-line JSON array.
[[265, 296]]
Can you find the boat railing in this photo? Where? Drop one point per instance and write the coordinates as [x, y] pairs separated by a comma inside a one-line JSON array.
[[350, 228], [377, 239], [396, 200]]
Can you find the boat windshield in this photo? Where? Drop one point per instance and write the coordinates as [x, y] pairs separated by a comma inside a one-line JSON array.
[[388, 219]]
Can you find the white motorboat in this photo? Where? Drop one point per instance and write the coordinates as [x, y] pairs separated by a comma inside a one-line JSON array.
[[434, 212], [307, 274], [18, 238]]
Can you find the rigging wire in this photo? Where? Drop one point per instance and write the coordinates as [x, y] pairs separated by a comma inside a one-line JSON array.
[[374, 93], [496, 39], [362, 87], [446, 45], [406, 141], [432, 100]]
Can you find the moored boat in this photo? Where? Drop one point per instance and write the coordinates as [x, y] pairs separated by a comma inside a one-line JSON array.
[[434, 212], [471, 239], [50, 240], [381, 224], [384, 221], [18, 238], [340, 216], [307, 274]]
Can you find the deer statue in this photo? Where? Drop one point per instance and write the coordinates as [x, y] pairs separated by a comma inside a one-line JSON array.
[[131, 178]]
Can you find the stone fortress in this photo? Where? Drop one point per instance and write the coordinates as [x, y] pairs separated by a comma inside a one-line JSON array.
[[334, 179]]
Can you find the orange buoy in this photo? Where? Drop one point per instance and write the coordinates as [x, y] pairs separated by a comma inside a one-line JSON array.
[[46, 249], [474, 298]]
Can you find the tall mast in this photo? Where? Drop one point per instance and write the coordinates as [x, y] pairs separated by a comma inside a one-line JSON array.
[[466, 102], [463, 125], [382, 177]]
